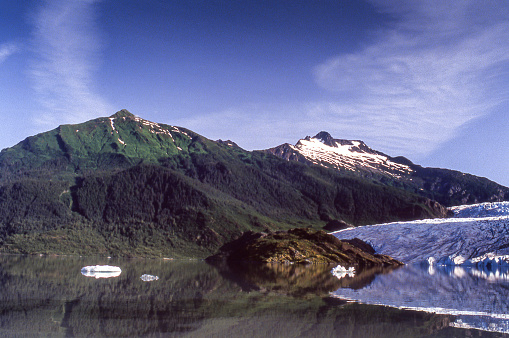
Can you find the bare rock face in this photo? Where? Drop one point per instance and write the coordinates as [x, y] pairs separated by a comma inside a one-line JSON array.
[[301, 245], [336, 225]]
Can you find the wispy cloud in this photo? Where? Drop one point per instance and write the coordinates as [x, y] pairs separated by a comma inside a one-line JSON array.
[[67, 46], [251, 126], [439, 65], [260, 126], [7, 49]]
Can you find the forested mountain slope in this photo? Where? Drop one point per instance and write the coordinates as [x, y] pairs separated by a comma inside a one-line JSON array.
[[126, 186]]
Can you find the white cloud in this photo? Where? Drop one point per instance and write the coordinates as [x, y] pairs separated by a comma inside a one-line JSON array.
[[439, 65], [7, 49], [67, 46]]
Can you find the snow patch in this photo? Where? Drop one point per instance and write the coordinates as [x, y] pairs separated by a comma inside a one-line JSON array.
[[154, 128], [112, 124], [181, 132], [348, 156]]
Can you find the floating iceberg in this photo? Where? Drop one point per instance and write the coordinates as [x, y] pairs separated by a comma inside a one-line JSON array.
[[148, 278], [340, 271], [101, 271]]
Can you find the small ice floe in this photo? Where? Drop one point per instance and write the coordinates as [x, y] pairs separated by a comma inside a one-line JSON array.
[[489, 266], [431, 260], [148, 278], [452, 260], [340, 271], [490, 261], [101, 271]]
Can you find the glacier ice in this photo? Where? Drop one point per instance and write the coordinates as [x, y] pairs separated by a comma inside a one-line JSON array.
[[457, 266], [477, 236], [488, 209]]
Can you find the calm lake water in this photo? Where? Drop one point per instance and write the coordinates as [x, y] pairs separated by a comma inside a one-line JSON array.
[[49, 296]]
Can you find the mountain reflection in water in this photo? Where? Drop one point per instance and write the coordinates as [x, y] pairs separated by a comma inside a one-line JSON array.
[[477, 298], [48, 296]]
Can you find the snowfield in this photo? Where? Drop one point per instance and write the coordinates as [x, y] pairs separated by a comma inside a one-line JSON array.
[[477, 235], [349, 156]]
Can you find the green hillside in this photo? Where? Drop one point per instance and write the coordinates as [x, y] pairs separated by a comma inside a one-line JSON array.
[[126, 186]]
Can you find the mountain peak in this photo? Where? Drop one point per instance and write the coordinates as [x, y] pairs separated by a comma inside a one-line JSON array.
[[345, 155], [326, 138], [122, 113]]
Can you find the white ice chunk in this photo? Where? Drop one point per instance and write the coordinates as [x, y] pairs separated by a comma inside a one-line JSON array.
[[340, 271], [148, 278], [101, 271]]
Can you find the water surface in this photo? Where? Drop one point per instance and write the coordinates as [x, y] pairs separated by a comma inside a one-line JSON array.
[[476, 298], [49, 296]]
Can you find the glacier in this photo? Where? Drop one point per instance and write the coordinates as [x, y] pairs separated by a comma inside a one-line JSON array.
[[457, 266], [477, 235]]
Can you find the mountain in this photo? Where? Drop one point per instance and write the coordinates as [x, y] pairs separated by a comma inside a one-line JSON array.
[[355, 158], [119, 141], [122, 185]]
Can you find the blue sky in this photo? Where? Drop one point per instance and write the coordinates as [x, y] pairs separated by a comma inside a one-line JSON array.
[[424, 79]]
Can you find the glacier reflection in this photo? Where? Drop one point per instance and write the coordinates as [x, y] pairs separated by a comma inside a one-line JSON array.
[[477, 297]]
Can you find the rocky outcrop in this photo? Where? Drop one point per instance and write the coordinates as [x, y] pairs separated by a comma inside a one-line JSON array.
[[301, 245], [423, 210], [336, 225]]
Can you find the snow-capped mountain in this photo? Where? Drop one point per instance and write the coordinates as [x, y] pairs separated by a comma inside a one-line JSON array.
[[348, 155], [477, 235], [355, 158]]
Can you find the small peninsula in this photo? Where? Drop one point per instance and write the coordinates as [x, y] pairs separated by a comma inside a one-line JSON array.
[[301, 245]]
